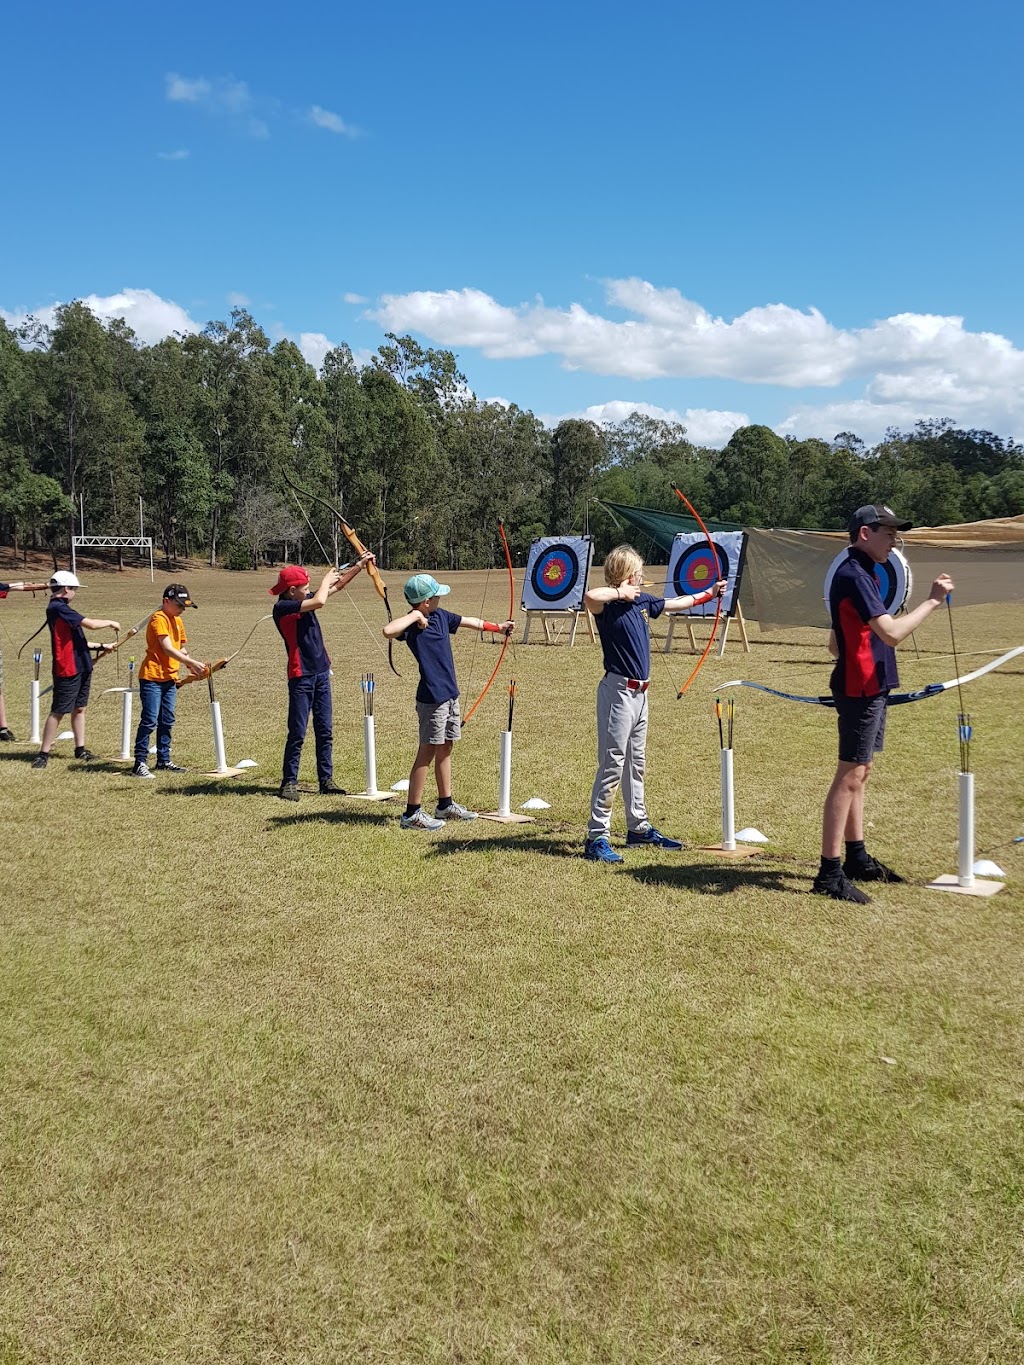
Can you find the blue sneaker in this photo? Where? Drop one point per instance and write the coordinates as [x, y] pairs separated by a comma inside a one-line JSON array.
[[647, 834], [600, 851]]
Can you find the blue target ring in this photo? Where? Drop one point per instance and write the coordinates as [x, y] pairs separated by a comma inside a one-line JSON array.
[[555, 573], [697, 570]]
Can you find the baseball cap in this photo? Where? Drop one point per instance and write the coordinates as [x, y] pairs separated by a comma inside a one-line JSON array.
[[64, 578], [423, 585], [877, 513], [177, 592], [291, 576]]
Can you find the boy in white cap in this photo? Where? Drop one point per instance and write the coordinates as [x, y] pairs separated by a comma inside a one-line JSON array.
[[427, 629], [72, 664]]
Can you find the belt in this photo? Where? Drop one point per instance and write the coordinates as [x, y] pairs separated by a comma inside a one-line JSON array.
[[632, 684]]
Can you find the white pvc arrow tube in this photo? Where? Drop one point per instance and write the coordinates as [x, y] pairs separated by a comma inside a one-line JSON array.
[[218, 737], [35, 737], [370, 753], [728, 803], [126, 725], [505, 773], [965, 871]]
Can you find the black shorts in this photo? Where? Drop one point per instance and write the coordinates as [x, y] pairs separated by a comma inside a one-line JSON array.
[[71, 694], [861, 727]]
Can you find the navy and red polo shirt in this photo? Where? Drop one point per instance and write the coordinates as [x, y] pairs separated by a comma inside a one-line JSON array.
[[300, 631], [866, 666], [625, 639], [431, 647], [67, 638]]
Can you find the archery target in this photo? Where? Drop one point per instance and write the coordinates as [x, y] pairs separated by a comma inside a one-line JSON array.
[[692, 568], [894, 578], [556, 573]]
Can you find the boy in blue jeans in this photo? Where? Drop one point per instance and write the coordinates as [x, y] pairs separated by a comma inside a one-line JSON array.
[[428, 629]]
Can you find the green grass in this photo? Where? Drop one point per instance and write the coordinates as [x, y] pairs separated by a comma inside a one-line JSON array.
[[287, 1083]]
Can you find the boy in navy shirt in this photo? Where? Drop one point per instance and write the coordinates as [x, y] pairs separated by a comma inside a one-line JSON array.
[[309, 670], [621, 611], [427, 630], [862, 641], [72, 664]]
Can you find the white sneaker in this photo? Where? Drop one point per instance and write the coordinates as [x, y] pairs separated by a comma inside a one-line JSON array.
[[140, 770], [455, 812], [420, 820]]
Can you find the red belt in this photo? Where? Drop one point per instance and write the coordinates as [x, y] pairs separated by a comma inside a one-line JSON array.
[[635, 685]]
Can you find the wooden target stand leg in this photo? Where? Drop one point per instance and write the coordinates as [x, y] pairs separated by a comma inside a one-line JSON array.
[[550, 633]]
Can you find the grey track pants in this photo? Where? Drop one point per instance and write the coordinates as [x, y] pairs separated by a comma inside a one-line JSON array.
[[621, 745]]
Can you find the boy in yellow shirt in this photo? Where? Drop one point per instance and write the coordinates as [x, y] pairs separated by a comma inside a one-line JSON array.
[[158, 676]]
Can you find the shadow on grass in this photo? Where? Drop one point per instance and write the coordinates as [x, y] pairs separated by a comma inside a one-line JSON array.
[[550, 845], [332, 815], [217, 786], [716, 879]]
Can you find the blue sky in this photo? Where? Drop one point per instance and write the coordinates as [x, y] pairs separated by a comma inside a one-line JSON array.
[[800, 214]]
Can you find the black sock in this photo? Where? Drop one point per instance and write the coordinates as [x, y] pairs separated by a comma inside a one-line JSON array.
[[856, 853], [80, 751], [830, 867], [410, 810], [443, 802]]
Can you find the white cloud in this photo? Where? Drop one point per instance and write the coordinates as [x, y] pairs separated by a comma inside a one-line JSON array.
[[314, 346], [182, 154], [910, 363], [354, 298], [223, 96], [334, 123], [238, 300], [704, 426], [149, 316]]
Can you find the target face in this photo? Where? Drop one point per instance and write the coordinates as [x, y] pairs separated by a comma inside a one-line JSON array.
[[697, 570], [555, 573], [894, 578]]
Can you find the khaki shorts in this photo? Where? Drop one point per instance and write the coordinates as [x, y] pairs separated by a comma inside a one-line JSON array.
[[440, 722]]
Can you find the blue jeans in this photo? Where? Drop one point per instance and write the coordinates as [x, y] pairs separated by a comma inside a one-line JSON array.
[[305, 695], [157, 701]]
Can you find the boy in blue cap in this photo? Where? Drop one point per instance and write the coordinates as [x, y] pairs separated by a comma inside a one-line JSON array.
[[427, 629]]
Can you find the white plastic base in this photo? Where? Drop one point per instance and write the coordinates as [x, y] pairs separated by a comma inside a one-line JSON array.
[[979, 887]]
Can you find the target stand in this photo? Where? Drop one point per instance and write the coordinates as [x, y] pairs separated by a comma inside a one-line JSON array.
[[723, 638], [551, 633]]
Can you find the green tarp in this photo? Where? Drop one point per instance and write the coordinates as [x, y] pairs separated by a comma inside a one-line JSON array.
[[661, 528]]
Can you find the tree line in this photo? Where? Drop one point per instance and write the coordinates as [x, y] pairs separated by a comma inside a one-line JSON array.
[[211, 429]]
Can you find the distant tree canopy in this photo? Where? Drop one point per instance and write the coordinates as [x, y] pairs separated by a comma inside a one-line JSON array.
[[208, 430]]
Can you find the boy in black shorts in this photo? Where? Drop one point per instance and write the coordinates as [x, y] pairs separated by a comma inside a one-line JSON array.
[[72, 664], [862, 642]]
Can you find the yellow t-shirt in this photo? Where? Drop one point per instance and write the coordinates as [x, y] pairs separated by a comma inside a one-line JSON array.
[[158, 666]]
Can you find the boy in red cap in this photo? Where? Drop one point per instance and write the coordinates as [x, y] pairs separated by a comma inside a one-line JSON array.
[[309, 669]]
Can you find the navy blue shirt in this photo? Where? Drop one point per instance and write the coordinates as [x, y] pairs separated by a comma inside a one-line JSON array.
[[70, 651], [625, 639], [432, 649], [300, 631], [866, 666]]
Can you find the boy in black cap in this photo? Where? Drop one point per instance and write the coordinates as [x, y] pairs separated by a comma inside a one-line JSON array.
[[862, 642], [158, 676]]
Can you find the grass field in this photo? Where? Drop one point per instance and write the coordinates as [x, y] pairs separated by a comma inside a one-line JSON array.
[[289, 1084]]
